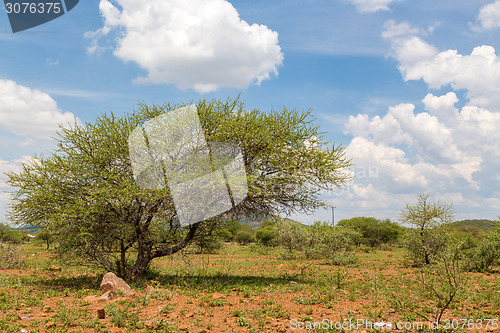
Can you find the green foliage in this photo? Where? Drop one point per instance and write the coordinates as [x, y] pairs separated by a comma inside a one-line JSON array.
[[429, 234], [124, 317], [483, 224], [224, 234], [318, 241], [293, 236], [208, 240], [266, 234], [85, 193], [444, 281], [228, 229], [424, 246], [45, 236], [244, 235], [486, 254], [9, 235], [329, 242], [373, 231], [475, 232]]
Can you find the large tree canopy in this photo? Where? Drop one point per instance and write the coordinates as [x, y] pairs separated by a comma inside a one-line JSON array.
[[85, 195]]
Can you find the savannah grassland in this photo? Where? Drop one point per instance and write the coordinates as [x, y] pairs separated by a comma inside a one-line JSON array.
[[247, 288]]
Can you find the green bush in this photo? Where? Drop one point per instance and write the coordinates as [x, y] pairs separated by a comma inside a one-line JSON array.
[[244, 235], [265, 235], [318, 241], [333, 242], [426, 244], [208, 245], [293, 236], [373, 231], [11, 236], [224, 234], [485, 254]]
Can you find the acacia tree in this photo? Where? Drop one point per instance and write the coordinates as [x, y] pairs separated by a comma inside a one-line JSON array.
[[427, 236], [84, 192]]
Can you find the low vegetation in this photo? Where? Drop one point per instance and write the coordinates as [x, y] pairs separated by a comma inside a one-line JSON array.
[[248, 288]]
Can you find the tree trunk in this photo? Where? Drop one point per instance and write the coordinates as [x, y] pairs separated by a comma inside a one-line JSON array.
[[145, 254], [141, 263]]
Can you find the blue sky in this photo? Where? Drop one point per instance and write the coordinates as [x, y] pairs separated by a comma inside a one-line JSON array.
[[410, 88]]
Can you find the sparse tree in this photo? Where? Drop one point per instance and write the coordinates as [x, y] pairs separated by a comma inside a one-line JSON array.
[[85, 193], [428, 221]]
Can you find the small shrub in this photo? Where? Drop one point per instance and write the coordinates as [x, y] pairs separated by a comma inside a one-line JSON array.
[[266, 235], [344, 259], [486, 254], [208, 245], [424, 246], [244, 235], [443, 282], [10, 257], [124, 317]]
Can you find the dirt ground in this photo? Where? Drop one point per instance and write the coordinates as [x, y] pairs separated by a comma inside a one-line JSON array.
[[242, 291]]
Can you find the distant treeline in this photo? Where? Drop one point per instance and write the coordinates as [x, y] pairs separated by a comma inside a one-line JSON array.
[[483, 224]]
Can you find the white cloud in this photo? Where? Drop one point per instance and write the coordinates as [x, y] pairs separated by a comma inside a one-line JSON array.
[[200, 44], [477, 73], [5, 190], [443, 107], [393, 29], [445, 151], [422, 131], [28, 112], [489, 17], [371, 6]]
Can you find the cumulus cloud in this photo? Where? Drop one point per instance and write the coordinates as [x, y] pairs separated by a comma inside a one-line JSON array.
[[200, 44], [435, 147], [441, 150], [371, 6], [29, 112], [477, 73], [489, 17], [422, 131]]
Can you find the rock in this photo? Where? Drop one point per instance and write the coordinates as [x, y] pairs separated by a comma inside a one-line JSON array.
[[112, 282], [54, 268], [293, 282], [108, 295], [101, 314], [25, 317]]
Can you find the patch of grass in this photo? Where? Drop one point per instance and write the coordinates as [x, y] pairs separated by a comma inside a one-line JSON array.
[[277, 311], [124, 317], [243, 322]]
